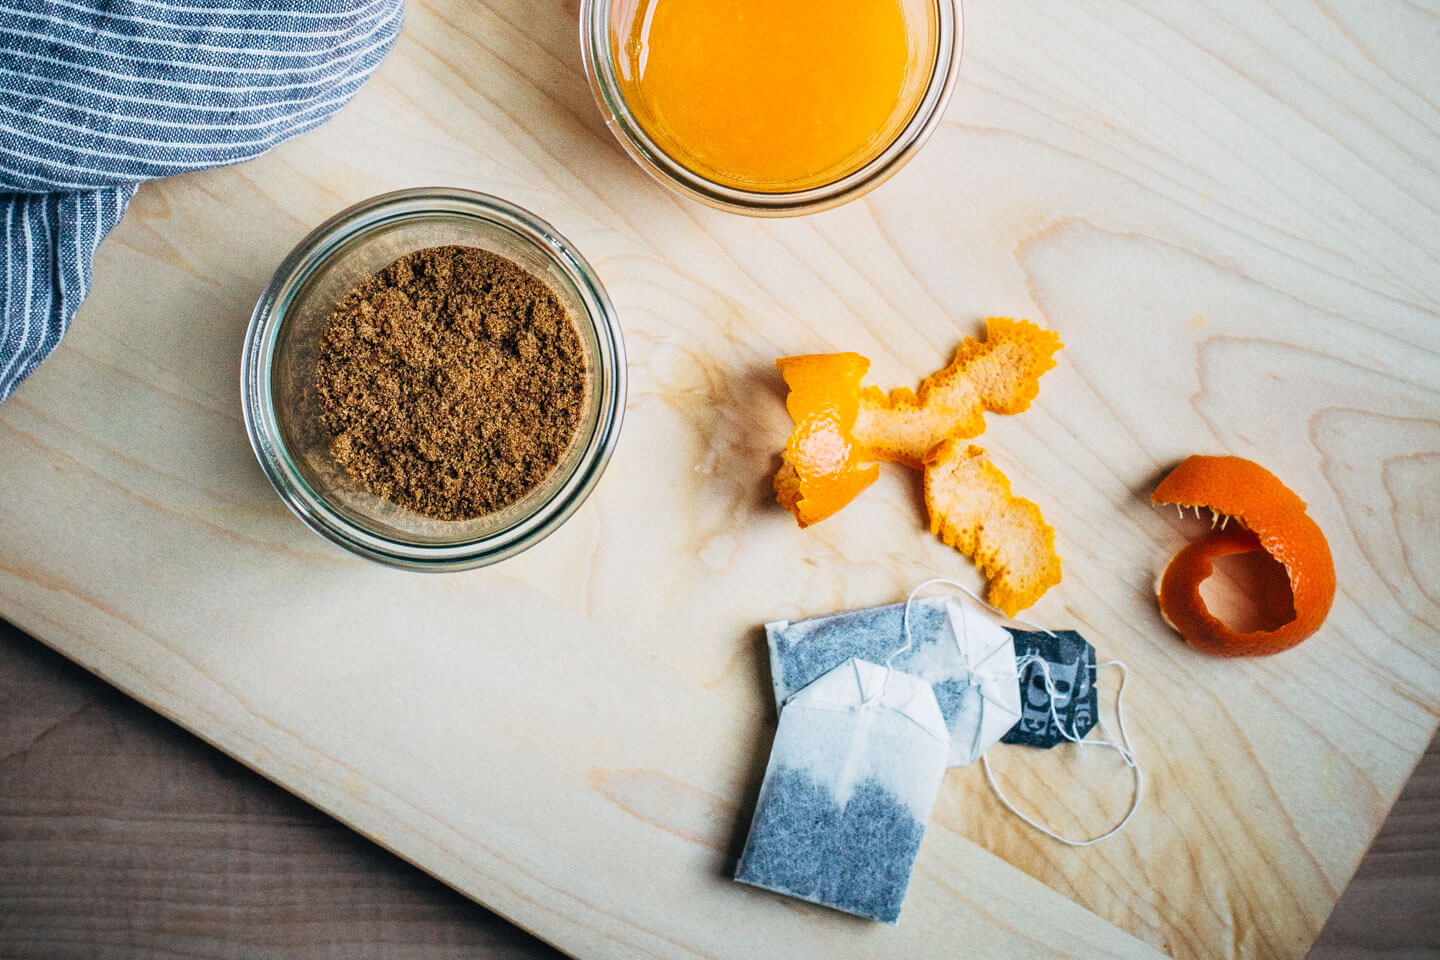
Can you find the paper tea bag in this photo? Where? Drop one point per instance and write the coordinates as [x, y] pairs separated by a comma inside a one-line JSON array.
[[1071, 662], [854, 771], [956, 647]]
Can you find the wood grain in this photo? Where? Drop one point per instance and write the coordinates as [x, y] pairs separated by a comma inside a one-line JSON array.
[[122, 836], [1228, 211], [204, 859]]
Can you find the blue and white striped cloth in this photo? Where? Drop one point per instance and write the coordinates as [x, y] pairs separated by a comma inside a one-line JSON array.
[[97, 96]]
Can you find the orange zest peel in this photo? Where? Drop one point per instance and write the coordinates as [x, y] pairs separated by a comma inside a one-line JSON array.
[[972, 509], [824, 466], [841, 430], [1270, 518], [1000, 374]]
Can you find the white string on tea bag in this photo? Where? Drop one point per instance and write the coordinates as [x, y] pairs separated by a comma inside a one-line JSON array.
[[972, 667], [1122, 746], [1127, 754], [969, 593]]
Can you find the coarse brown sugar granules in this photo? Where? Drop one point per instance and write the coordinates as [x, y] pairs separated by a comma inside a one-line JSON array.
[[451, 382]]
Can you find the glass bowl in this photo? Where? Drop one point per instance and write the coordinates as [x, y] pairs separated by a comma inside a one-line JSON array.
[[598, 19], [282, 409]]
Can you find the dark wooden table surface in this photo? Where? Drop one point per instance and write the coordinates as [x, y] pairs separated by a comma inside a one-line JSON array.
[[122, 836]]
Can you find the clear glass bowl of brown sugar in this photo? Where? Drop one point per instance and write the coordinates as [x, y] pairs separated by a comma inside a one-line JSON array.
[[283, 406]]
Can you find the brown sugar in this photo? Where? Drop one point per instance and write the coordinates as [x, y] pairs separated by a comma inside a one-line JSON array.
[[452, 382]]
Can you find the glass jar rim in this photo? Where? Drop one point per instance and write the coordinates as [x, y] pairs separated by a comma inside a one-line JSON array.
[[605, 86], [312, 253]]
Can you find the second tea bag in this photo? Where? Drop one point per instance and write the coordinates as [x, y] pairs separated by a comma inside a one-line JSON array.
[[966, 655], [855, 768]]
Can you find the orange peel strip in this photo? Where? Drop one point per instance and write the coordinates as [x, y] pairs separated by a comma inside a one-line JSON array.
[[824, 467], [972, 509], [1000, 373], [1273, 519]]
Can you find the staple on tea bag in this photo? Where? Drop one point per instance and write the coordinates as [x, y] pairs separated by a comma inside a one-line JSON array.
[[856, 765], [965, 655]]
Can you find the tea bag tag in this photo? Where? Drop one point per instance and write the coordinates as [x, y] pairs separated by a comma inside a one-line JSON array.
[[1057, 688]]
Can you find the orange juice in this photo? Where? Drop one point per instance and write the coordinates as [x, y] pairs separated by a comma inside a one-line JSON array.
[[773, 95]]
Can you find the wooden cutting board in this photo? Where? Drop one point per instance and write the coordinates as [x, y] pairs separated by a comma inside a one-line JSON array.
[[1229, 213]]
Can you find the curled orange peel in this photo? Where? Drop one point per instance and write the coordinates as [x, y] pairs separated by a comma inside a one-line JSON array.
[[972, 509], [1000, 374], [824, 467], [1270, 517]]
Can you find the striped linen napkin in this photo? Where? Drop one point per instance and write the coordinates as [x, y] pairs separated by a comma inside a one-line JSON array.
[[97, 96]]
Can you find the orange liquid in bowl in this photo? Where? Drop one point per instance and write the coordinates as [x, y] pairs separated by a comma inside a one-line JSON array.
[[773, 95]]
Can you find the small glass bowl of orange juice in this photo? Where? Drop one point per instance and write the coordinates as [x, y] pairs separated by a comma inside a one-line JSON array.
[[771, 107]]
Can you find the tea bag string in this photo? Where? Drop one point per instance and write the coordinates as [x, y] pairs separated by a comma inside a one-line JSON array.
[[909, 639], [962, 642], [1122, 747], [905, 620]]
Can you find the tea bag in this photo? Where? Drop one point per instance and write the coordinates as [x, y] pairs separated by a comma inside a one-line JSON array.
[[855, 768], [1070, 660], [955, 646]]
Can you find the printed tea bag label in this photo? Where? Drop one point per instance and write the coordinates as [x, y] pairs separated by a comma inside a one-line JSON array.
[[966, 656], [1071, 663], [854, 771]]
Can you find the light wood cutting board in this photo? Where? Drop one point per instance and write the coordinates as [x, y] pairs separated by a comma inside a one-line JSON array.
[[1227, 210]]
